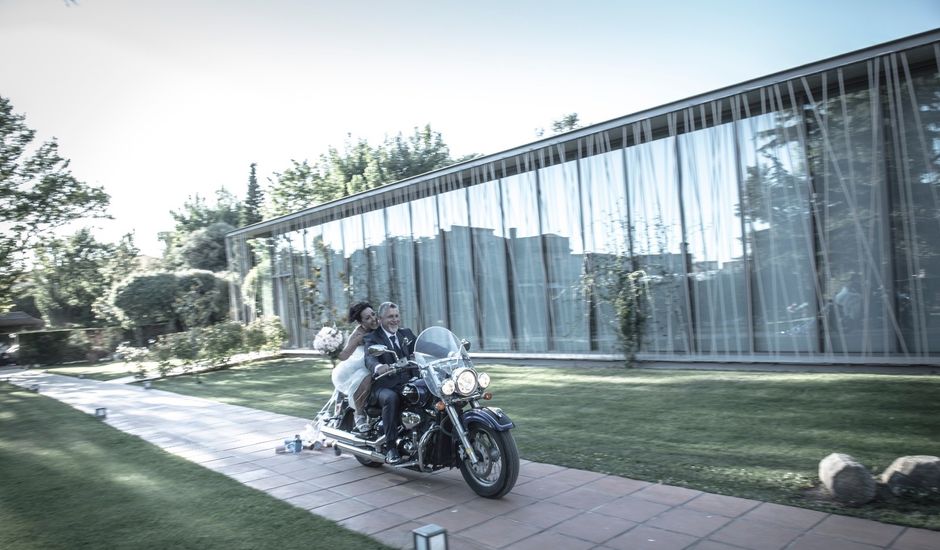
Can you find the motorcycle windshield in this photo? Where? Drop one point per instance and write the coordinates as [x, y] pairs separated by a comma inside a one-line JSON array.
[[438, 352]]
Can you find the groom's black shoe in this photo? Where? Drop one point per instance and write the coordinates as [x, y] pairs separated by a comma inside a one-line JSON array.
[[392, 456]]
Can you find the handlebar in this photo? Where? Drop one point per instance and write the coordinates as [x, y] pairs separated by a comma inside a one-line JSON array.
[[396, 368]]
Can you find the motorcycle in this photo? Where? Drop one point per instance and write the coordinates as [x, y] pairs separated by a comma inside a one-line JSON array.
[[442, 424]]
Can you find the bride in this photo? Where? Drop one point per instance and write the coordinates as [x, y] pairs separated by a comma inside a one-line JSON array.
[[351, 376]]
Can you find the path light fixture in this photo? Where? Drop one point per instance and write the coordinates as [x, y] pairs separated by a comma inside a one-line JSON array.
[[430, 537], [147, 385], [101, 413]]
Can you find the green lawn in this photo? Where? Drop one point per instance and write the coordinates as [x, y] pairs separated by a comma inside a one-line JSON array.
[[68, 481], [753, 435], [97, 371]]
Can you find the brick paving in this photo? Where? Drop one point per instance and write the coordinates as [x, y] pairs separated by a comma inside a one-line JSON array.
[[551, 507]]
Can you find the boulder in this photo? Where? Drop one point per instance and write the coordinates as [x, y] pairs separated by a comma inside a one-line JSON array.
[[847, 480], [913, 474]]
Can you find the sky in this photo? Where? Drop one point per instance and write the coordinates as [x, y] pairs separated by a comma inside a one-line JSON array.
[[160, 100]]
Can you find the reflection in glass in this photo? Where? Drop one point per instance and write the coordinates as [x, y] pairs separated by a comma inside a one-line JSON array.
[[403, 275], [604, 207], [779, 236], [489, 252], [336, 269], [852, 223], [526, 265], [357, 278], [430, 263], [657, 231], [461, 291], [379, 257], [913, 111], [713, 231], [564, 255]]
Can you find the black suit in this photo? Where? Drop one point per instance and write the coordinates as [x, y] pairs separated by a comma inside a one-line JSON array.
[[385, 390]]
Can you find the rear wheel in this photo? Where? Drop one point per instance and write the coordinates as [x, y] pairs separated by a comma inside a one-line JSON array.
[[497, 466], [370, 463], [347, 425]]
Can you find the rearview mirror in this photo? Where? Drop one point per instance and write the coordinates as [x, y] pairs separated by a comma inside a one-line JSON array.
[[466, 344]]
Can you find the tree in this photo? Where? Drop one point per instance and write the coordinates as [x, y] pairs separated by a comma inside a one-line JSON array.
[[205, 248], [37, 195], [358, 167], [567, 123], [299, 186], [254, 198], [73, 273], [197, 215], [179, 300]]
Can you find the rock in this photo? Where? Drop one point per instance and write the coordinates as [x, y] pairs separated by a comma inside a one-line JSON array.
[[847, 480], [913, 474]]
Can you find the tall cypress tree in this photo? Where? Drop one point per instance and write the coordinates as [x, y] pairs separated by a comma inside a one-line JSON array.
[[251, 208]]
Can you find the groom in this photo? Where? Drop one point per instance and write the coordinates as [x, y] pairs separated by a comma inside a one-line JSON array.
[[400, 342]]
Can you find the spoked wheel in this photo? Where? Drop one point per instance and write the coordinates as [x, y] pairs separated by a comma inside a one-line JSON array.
[[497, 466]]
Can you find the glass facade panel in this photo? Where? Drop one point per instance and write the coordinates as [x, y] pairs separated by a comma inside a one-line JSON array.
[[604, 207], [404, 277], [529, 306], [852, 221], [313, 283], [490, 258], [779, 233], [461, 290], [713, 231], [657, 244], [564, 254], [357, 276], [336, 268], [913, 112], [379, 253], [429, 264]]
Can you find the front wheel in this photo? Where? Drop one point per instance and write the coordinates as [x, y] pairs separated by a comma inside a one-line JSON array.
[[497, 467]]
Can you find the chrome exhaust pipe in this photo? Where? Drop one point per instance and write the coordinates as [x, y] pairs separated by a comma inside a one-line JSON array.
[[364, 453], [343, 436]]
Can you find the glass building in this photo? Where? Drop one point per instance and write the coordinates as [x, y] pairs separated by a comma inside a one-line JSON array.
[[791, 218]]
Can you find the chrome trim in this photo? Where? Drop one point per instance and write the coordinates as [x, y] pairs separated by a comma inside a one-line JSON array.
[[365, 453], [458, 427], [423, 445]]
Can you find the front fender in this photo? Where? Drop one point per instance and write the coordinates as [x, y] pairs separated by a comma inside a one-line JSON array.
[[489, 416]]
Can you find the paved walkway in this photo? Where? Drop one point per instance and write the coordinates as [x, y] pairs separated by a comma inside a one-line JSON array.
[[551, 507]]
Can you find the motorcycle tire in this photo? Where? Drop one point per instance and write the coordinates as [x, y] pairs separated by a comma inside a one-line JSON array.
[[370, 463], [497, 467]]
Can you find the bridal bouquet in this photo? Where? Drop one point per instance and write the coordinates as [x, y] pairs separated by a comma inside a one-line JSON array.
[[329, 341]]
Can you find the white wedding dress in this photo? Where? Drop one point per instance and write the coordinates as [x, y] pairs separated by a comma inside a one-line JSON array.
[[349, 374]]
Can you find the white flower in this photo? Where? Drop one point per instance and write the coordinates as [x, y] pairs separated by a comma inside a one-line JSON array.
[[329, 341]]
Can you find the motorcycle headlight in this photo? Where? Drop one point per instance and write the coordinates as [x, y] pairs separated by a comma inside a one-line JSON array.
[[448, 387], [466, 381], [483, 379]]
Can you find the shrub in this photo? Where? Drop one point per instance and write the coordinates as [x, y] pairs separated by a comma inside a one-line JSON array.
[[178, 345], [265, 334], [49, 347], [219, 342], [130, 354], [185, 299], [46, 347], [147, 299]]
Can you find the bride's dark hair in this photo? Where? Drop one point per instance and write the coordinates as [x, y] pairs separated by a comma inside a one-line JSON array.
[[355, 311]]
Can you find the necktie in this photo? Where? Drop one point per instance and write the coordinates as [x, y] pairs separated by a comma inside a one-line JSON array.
[[394, 340]]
